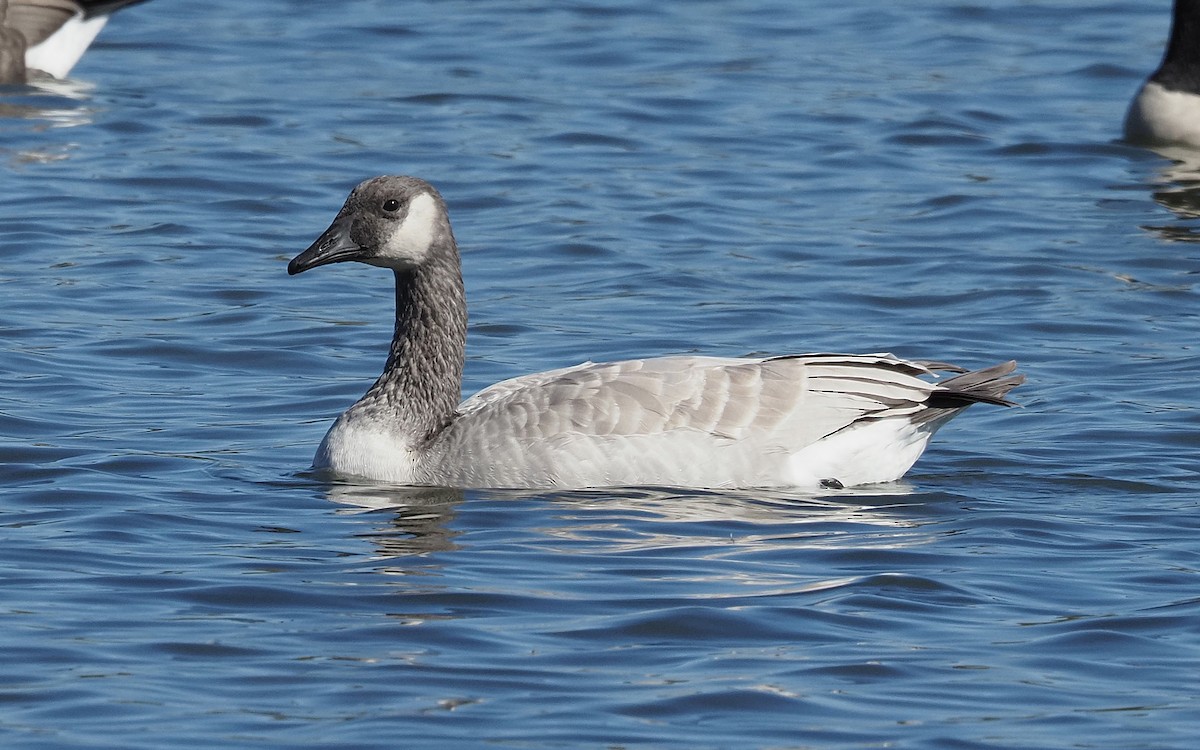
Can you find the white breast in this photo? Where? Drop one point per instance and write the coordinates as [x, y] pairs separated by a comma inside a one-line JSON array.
[[1164, 116], [366, 448]]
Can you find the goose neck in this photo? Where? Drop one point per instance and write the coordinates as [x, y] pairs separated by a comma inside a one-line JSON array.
[[422, 379]]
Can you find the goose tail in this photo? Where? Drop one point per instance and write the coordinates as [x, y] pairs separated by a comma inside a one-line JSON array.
[[987, 386]]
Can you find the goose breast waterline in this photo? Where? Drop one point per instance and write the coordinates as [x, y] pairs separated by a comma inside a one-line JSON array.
[[686, 421], [1166, 109]]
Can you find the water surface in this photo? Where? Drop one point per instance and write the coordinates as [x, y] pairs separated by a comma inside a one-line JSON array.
[[938, 179]]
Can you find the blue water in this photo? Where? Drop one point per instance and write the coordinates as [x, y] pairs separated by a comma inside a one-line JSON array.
[[937, 179]]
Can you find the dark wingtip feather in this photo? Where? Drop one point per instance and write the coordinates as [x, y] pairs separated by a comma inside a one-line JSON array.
[[988, 386]]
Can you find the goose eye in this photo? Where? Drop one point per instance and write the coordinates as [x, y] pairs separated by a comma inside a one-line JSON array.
[[391, 205]]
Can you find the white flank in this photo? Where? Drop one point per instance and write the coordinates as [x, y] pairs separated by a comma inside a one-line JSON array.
[[866, 453], [1164, 116], [412, 239], [62, 49]]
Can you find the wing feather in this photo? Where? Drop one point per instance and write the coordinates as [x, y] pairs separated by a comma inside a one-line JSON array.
[[719, 396], [696, 421]]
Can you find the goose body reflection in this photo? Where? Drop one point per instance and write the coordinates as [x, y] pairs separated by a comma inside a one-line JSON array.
[[811, 420]]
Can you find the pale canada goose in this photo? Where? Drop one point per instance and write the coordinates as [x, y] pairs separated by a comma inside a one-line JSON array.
[[807, 421]]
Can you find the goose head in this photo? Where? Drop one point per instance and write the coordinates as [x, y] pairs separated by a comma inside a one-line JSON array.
[[390, 221]]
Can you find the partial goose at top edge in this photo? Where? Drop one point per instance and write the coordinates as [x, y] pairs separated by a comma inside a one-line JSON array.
[[808, 421], [1166, 109], [49, 36]]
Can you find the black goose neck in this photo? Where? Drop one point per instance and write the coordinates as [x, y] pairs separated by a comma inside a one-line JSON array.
[[1180, 68]]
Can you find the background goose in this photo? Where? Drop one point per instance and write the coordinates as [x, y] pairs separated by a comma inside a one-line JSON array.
[[50, 35], [804, 420], [12, 50], [1167, 107]]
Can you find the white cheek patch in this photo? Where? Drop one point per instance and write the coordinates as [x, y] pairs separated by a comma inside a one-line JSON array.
[[412, 239]]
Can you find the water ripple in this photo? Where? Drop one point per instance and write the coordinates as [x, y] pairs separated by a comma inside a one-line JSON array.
[[625, 179]]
